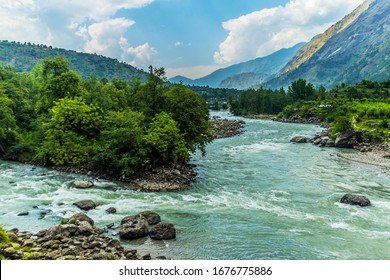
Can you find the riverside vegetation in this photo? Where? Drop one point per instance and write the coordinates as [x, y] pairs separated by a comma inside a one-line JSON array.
[[363, 107], [51, 116]]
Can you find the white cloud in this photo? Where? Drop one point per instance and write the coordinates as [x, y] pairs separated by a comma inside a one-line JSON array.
[[86, 25], [263, 32], [104, 37], [178, 44], [140, 56]]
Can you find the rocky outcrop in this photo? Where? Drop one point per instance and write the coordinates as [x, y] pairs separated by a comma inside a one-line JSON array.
[[163, 231], [299, 139], [82, 184], [73, 239], [85, 205], [165, 179], [355, 200], [348, 139]]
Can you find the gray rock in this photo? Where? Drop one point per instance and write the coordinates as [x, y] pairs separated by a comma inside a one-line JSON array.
[[23, 213], [111, 210], [348, 139], [134, 227], [82, 184], [85, 205], [330, 143], [299, 139], [152, 217], [355, 200], [79, 217], [163, 231]]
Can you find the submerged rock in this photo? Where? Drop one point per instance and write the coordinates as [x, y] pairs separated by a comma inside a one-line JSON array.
[[82, 184], [85, 205], [299, 139], [111, 210], [355, 200]]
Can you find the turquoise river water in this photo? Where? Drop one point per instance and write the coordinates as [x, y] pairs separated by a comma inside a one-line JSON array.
[[257, 196]]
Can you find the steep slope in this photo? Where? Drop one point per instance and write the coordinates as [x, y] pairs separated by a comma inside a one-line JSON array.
[[24, 56], [359, 51], [244, 80], [315, 44], [265, 66]]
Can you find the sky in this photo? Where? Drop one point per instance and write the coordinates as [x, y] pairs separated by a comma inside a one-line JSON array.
[[187, 37]]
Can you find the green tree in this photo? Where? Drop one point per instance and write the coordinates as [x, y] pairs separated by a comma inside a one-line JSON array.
[[164, 141], [121, 149], [7, 123], [301, 90], [70, 134], [191, 115]]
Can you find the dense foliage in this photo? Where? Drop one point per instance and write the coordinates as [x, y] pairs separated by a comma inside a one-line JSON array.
[[52, 116]]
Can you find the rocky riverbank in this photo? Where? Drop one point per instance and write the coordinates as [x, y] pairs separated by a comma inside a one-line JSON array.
[[369, 153], [76, 238], [223, 128]]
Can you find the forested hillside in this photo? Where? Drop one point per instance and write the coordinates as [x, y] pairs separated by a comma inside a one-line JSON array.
[[52, 116], [24, 57]]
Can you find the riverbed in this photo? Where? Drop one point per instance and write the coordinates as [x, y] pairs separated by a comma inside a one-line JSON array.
[[257, 196]]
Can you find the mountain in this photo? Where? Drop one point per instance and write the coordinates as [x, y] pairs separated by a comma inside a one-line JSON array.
[[24, 56], [242, 75], [354, 49]]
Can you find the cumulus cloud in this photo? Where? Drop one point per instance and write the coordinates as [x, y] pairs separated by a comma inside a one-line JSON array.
[[140, 56], [86, 25], [262, 32]]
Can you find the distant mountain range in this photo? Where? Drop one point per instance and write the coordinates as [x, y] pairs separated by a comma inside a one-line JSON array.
[[353, 49], [24, 57], [246, 74]]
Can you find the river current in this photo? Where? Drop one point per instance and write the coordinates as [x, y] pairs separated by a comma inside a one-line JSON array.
[[257, 196]]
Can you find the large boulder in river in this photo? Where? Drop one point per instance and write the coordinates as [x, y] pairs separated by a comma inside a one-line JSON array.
[[152, 217], [82, 184], [355, 200], [299, 139], [85, 204], [163, 231], [348, 139], [134, 227]]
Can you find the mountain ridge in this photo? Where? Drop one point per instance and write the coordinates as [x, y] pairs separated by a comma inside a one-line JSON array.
[[265, 66], [24, 56], [358, 52]]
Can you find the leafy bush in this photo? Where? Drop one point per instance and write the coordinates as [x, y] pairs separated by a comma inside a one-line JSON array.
[[341, 124]]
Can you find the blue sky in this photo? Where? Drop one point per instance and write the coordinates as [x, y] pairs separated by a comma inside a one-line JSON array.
[[187, 37]]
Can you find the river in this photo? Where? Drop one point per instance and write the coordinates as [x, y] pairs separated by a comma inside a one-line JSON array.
[[257, 196]]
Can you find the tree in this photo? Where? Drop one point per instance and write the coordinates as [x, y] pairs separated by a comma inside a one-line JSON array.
[[7, 123], [70, 134], [191, 115], [301, 90], [58, 82], [121, 149], [164, 141]]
